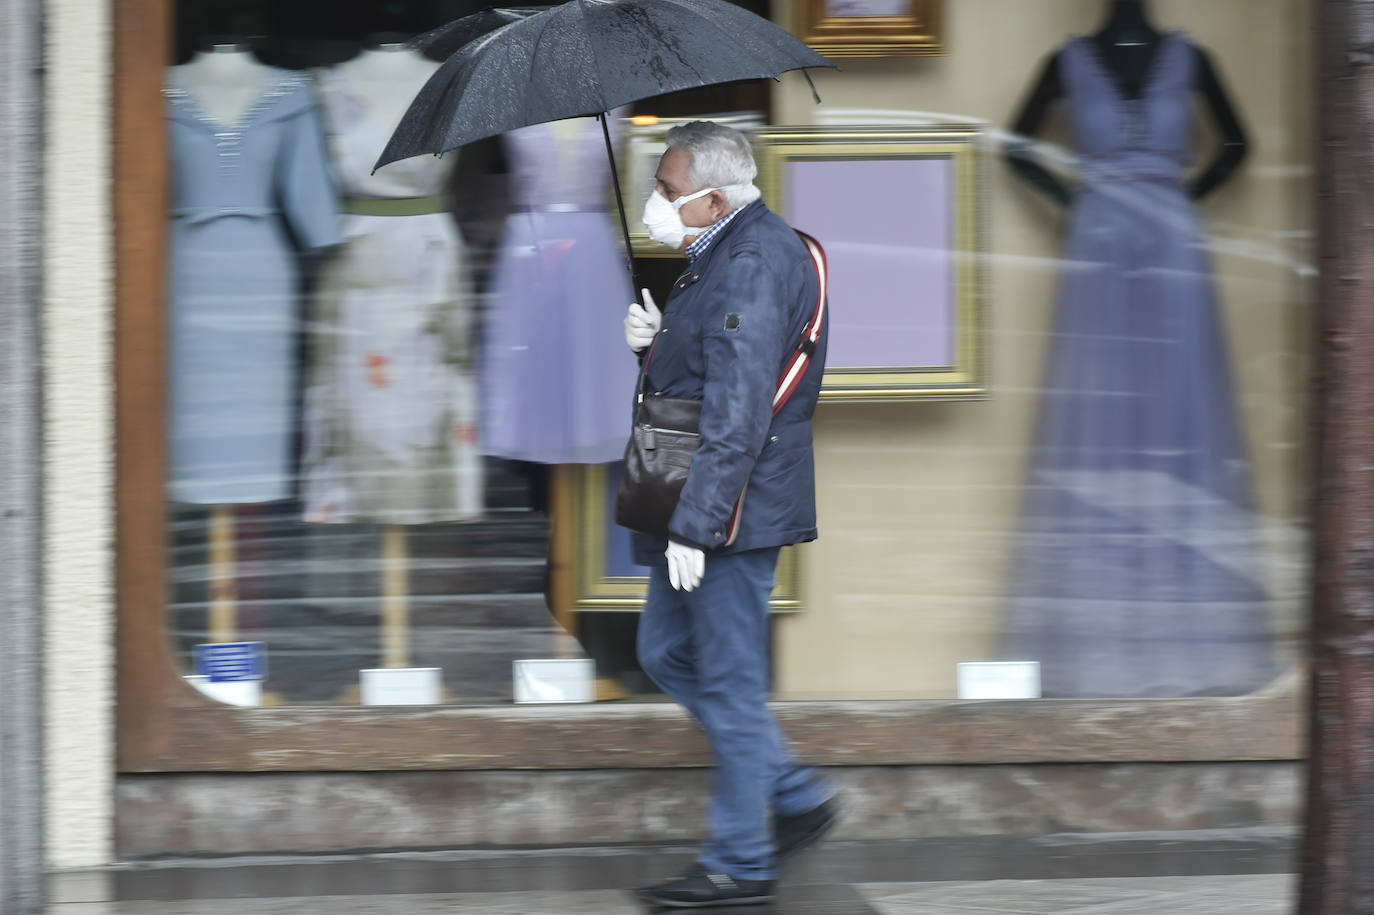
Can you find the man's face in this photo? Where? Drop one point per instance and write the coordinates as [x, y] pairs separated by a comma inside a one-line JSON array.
[[672, 183]]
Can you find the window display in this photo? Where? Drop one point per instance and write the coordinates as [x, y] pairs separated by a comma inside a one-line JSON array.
[[1071, 437]]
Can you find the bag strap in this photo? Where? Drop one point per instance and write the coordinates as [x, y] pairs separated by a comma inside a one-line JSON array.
[[643, 383], [795, 369]]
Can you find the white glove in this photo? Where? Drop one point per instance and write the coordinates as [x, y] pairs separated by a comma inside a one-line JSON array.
[[686, 566], [642, 323]]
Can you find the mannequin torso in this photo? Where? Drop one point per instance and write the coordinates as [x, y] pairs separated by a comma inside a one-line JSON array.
[[225, 82], [1128, 46], [391, 74]]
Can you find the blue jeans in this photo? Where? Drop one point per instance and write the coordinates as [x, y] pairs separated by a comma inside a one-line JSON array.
[[708, 649]]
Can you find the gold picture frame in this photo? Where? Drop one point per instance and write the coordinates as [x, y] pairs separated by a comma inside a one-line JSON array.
[[902, 213], [871, 28], [602, 584]]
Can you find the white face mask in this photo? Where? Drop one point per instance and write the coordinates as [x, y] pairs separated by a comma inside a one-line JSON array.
[[662, 218]]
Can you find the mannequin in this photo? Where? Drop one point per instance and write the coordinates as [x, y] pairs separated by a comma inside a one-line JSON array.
[[388, 63], [233, 287], [1136, 568], [393, 401], [226, 80], [553, 380], [1128, 42]]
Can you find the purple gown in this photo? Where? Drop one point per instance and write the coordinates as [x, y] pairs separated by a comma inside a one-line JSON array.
[[1136, 572], [555, 367]]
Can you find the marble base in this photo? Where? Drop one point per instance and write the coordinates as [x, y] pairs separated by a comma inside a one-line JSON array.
[[290, 813]]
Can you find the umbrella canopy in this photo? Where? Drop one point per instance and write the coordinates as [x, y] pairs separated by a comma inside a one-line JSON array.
[[443, 41], [584, 58]]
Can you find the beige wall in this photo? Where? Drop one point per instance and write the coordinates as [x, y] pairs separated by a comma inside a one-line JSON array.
[[79, 446], [917, 499]]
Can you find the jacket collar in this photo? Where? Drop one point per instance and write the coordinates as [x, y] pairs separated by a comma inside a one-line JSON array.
[[751, 212]]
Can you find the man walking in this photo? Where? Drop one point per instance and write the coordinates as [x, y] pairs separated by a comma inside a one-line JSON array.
[[727, 330]]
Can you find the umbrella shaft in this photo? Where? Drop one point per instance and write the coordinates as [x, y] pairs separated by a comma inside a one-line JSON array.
[[620, 206]]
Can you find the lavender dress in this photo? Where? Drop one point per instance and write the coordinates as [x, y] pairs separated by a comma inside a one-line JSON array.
[[555, 367], [1136, 572]]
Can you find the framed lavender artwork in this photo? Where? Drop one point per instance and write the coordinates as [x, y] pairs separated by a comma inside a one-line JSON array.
[[900, 213], [870, 28]]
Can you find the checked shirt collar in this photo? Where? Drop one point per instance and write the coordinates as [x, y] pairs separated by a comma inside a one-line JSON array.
[[697, 248]]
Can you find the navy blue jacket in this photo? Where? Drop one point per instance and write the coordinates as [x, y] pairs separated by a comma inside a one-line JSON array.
[[730, 323]]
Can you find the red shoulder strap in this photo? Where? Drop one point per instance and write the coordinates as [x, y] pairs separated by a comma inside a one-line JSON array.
[[795, 369]]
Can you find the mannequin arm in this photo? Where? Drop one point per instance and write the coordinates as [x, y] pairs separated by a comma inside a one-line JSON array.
[[1234, 144], [1020, 153]]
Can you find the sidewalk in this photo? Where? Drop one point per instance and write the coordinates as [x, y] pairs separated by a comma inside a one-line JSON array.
[[1262, 894], [1203, 873]]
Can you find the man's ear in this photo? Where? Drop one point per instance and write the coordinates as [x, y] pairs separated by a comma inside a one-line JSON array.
[[719, 204]]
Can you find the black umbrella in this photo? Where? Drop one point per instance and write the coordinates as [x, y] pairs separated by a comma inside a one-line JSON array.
[[584, 58], [443, 41]]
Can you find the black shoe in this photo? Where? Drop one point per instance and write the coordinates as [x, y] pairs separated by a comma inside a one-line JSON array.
[[696, 870], [799, 831], [699, 889]]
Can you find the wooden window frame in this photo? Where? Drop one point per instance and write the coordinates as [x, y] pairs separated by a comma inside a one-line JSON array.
[[164, 725]]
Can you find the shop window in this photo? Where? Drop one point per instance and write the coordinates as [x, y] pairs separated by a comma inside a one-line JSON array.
[[1061, 451]]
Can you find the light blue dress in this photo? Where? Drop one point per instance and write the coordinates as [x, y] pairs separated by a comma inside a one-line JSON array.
[[243, 198]]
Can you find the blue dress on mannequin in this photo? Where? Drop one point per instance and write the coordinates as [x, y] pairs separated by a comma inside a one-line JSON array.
[[1136, 572], [234, 289]]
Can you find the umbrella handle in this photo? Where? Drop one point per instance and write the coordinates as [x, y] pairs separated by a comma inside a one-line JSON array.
[[620, 205]]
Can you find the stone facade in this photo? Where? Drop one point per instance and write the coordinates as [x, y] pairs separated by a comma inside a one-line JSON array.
[[279, 813]]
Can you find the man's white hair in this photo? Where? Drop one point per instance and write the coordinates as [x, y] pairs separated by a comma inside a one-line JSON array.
[[721, 157]]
